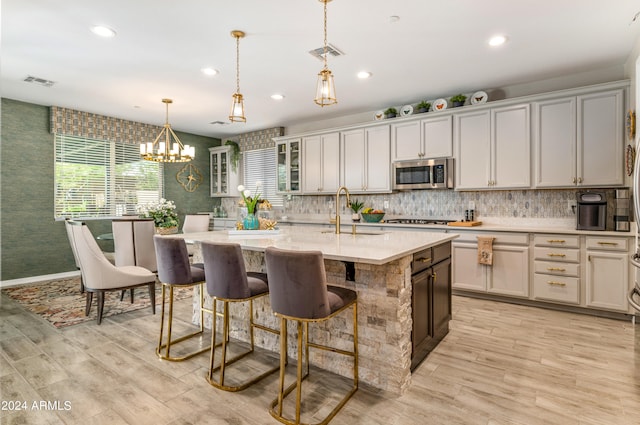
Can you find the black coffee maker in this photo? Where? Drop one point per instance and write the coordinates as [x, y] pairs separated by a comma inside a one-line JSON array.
[[592, 211]]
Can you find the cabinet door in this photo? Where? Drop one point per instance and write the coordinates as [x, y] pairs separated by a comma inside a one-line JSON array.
[[467, 274], [378, 159], [511, 145], [214, 166], [509, 274], [224, 181], [353, 160], [473, 150], [294, 166], [406, 143], [555, 143], [311, 165], [437, 137], [282, 166], [330, 162], [607, 280], [441, 305], [600, 139]]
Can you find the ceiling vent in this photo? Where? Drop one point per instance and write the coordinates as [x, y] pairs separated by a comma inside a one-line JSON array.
[[41, 81], [219, 123], [331, 51]]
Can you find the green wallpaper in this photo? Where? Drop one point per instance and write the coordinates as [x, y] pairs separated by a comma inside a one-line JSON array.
[[31, 242]]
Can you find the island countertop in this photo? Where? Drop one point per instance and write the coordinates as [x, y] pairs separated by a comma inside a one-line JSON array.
[[370, 247]]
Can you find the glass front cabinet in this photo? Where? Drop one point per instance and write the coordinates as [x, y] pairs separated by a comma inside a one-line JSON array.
[[224, 174], [288, 165]]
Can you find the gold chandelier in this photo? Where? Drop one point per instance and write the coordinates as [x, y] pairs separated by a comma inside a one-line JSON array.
[[163, 148], [326, 88], [237, 106]]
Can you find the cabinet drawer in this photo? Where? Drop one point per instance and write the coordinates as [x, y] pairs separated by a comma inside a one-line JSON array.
[[557, 254], [563, 241], [556, 288], [608, 244], [499, 238], [557, 268]]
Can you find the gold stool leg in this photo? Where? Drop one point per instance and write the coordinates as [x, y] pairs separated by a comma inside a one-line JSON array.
[[213, 337], [161, 321], [301, 329]]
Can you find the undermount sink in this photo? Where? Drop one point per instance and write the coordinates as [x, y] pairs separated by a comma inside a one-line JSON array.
[[355, 234]]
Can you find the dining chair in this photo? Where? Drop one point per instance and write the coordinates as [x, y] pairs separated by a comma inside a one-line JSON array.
[[67, 225], [299, 292], [100, 276], [195, 223], [228, 282]]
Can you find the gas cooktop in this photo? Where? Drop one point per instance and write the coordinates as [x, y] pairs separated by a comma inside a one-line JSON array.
[[418, 221]]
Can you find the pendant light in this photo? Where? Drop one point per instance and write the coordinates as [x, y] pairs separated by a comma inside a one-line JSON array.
[[326, 89], [167, 147], [237, 107]]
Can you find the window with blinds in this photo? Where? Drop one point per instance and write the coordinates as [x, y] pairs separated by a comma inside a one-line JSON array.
[[100, 179], [260, 165]]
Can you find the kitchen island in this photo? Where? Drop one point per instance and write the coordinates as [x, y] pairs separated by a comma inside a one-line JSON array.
[[376, 264]]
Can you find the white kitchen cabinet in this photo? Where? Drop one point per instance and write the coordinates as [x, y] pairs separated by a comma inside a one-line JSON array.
[[424, 139], [288, 166], [492, 148], [509, 274], [578, 140], [607, 277], [365, 160], [321, 163], [224, 179], [556, 275]]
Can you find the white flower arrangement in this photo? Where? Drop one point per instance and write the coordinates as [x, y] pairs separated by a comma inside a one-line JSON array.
[[162, 212]]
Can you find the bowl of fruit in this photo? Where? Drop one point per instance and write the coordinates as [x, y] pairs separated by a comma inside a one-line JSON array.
[[372, 216]]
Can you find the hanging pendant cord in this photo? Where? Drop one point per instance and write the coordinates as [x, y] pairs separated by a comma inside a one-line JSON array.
[[325, 34], [237, 64]]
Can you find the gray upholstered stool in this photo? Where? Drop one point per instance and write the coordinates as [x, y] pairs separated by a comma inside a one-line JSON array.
[[228, 281], [174, 270], [298, 291]]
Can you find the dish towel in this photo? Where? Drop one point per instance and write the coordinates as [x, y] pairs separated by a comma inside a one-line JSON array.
[[485, 250]]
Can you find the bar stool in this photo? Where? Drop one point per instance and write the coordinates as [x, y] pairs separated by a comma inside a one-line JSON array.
[[299, 292], [228, 282], [174, 271]]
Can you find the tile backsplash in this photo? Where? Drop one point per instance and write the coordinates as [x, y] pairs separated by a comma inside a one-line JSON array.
[[442, 203]]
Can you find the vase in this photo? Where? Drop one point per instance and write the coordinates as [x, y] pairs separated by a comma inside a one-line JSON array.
[[251, 222], [167, 230]]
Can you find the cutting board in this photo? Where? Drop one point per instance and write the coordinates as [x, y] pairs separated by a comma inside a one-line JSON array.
[[464, 223]]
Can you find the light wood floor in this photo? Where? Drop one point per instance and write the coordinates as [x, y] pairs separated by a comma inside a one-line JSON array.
[[500, 364]]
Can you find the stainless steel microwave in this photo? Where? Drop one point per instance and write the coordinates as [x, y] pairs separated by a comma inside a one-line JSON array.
[[423, 174]]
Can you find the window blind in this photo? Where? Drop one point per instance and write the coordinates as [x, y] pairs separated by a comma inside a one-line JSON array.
[[260, 165], [99, 179]]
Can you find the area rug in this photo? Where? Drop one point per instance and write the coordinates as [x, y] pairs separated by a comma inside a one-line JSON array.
[[61, 303]]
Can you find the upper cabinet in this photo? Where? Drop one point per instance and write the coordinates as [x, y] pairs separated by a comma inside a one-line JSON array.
[[224, 177], [365, 159], [492, 148], [288, 166], [321, 163], [579, 140], [427, 138]]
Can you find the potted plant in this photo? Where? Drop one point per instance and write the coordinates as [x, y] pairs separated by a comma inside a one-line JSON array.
[[423, 106], [458, 100], [356, 206], [390, 113], [235, 154], [163, 213]]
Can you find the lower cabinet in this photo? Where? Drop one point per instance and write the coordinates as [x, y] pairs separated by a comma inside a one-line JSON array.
[[509, 274], [607, 276], [556, 275]]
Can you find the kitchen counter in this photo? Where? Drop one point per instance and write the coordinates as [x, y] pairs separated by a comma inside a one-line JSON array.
[[377, 266]]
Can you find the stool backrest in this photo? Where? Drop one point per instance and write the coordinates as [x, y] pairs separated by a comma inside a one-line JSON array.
[[224, 270], [173, 260], [297, 283]]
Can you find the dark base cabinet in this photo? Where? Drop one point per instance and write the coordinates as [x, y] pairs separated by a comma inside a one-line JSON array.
[[431, 300]]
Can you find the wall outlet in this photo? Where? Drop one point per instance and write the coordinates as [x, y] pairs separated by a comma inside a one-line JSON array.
[[385, 205], [571, 205]]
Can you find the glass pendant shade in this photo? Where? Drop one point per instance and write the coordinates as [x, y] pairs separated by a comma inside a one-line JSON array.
[[167, 147], [237, 109], [326, 89]]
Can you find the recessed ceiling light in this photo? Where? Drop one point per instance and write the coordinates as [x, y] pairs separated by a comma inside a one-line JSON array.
[[277, 96], [103, 31], [497, 40], [364, 74], [209, 71]]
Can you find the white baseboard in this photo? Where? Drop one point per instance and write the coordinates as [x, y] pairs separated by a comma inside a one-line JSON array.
[[34, 279]]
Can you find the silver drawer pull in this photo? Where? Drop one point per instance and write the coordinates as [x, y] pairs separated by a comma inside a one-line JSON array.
[[556, 241], [556, 269], [607, 243], [552, 254], [556, 283]]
